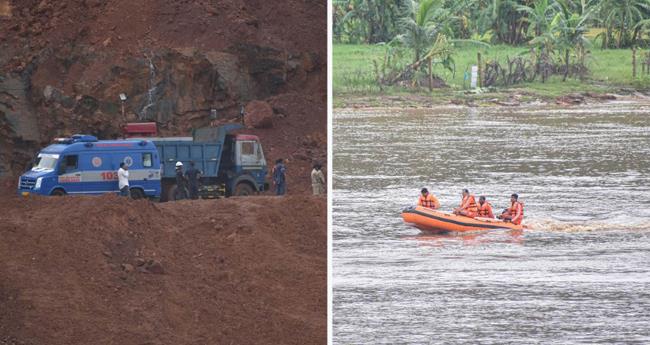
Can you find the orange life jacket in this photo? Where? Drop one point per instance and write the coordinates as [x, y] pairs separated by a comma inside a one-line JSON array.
[[485, 210], [516, 212], [471, 204], [429, 201]]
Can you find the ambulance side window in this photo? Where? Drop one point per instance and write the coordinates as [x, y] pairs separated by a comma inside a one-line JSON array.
[[147, 160], [68, 164], [71, 162]]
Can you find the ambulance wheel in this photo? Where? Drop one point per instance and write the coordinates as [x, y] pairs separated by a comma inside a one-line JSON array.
[[58, 192], [243, 189], [137, 193]]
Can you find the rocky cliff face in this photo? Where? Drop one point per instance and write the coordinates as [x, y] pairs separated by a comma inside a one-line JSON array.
[[63, 65]]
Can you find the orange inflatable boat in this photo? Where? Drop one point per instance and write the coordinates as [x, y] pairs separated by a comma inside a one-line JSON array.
[[430, 220]]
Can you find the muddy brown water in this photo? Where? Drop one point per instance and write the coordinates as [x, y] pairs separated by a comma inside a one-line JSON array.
[[580, 276]]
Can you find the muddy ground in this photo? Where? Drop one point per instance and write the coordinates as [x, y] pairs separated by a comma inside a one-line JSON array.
[[108, 270]]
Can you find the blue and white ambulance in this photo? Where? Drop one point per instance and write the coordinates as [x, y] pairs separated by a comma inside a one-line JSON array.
[[82, 165]]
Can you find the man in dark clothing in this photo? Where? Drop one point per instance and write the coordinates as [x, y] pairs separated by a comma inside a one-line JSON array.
[[278, 177], [193, 175], [180, 182]]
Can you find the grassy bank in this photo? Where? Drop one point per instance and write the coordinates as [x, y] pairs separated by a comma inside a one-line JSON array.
[[354, 76]]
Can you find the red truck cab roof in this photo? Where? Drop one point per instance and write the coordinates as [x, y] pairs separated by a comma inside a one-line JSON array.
[[246, 137], [140, 129]]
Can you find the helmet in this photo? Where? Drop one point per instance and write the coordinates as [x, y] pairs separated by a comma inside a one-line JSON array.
[[179, 164]]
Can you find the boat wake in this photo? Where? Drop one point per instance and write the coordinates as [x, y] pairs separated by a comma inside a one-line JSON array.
[[585, 226]]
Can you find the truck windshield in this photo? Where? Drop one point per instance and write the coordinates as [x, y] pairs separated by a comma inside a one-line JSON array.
[[45, 161]]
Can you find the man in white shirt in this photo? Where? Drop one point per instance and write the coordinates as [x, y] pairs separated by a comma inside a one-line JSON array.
[[317, 180], [123, 179]]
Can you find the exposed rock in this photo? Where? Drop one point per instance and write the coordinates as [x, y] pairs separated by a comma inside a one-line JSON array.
[[154, 267], [140, 262], [258, 114], [5, 8], [300, 156]]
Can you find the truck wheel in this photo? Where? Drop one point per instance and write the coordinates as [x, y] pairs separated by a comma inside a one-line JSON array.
[[58, 192], [136, 193], [243, 189], [171, 193]]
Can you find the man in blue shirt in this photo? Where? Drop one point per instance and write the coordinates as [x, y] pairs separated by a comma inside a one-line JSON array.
[[278, 177], [192, 176]]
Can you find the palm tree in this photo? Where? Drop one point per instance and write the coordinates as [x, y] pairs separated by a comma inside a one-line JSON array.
[[421, 23]]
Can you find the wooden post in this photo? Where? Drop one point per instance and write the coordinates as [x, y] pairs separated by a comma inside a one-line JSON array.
[[633, 62], [430, 76], [480, 71]]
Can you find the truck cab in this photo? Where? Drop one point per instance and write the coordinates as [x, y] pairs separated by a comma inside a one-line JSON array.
[[244, 164], [82, 164]]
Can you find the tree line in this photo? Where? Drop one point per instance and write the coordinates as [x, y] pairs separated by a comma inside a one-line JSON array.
[[623, 23], [555, 32]]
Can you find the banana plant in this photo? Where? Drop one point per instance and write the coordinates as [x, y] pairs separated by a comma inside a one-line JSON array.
[[538, 16], [619, 18], [569, 29]]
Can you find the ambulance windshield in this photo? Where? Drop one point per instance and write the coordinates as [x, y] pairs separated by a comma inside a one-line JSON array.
[[45, 161]]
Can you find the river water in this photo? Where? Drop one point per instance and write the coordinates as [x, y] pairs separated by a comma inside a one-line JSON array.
[[581, 275]]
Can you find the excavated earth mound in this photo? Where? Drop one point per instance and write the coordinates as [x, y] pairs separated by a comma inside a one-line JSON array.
[[108, 270]]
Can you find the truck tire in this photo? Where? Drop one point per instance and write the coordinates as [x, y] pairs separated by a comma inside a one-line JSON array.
[[244, 189], [58, 192], [171, 194], [136, 193]]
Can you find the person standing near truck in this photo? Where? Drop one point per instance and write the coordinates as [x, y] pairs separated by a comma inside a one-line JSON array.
[[180, 182], [279, 179], [123, 179], [193, 175], [317, 180]]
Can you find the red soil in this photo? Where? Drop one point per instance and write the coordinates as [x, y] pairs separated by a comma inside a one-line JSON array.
[[107, 270]]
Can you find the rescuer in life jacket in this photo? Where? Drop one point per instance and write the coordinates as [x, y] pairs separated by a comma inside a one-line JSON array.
[[428, 200], [515, 213], [468, 207], [484, 208]]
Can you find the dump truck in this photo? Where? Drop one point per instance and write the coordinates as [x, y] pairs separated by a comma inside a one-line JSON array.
[[231, 164]]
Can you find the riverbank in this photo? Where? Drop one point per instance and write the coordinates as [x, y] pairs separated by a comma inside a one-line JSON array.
[[503, 98], [610, 78]]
